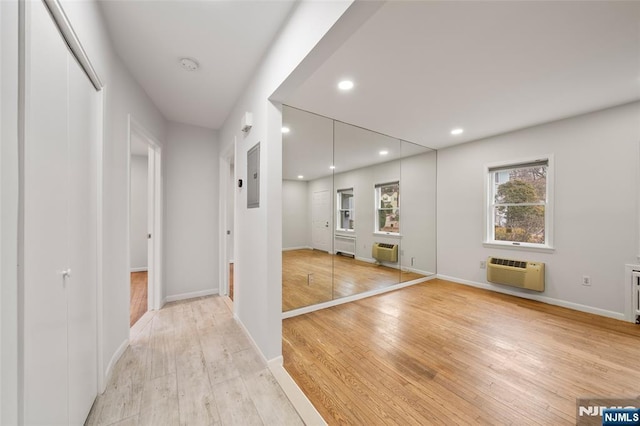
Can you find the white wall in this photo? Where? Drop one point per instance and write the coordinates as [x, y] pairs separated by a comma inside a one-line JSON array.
[[138, 219], [9, 356], [296, 222], [258, 260], [596, 214], [191, 211], [123, 97]]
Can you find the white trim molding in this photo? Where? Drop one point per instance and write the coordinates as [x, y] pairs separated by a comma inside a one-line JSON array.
[[488, 238], [310, 416], [70, 37], [629, 289], [537, 297], [191, 295], [343, 300], [112, 363]]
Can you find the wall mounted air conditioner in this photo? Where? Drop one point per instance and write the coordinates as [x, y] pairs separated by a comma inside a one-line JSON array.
[[516, 273], [383, 252]]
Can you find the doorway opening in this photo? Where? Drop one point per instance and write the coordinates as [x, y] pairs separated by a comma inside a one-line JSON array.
[[227, 213], [144, 222]]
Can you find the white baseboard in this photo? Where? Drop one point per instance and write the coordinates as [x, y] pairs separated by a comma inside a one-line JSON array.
[[417, 271], [396, 266], [191, 295], [299, 400], [250, 337], [342, 300], [140, 269], [112, 363], [297, 248], [310, 416], [537, 297]]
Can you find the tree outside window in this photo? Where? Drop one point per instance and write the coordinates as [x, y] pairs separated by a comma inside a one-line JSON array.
[[519, 203]]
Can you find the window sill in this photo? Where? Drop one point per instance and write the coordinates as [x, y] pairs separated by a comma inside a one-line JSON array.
[[387, 234], [521, 247]]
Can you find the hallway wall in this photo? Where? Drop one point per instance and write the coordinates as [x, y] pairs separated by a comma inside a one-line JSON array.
[[191, 211], [258, 271]]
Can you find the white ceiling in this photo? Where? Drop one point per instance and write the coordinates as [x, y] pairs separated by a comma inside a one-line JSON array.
[[423, 68], [228, 38], [314, 143]]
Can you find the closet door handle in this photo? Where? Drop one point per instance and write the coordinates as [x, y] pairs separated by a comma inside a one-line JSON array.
[[66, 273]]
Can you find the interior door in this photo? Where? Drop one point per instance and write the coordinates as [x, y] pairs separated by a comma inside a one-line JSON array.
[[46, 224], [321, 219], [83, 112], [61, 129]]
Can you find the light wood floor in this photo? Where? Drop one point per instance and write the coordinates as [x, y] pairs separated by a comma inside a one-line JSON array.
[[443, 353], [138, 296], [332, 277], [191, 364]]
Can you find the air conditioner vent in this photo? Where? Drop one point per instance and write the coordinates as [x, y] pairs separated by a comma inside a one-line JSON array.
[[384, 252], [385, 245], [516, 273], [508, 262]]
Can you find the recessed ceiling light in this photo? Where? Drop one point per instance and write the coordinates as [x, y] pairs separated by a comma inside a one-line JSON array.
[[189, 64], [300, 177], [285, 129], [384, 152], [457, 131], [345, 85], [332, 167]]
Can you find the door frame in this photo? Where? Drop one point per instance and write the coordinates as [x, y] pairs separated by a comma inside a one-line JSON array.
[[329, 220], [154, 251], [226, 159]]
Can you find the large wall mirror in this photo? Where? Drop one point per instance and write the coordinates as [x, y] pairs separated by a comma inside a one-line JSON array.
[[359, 210]]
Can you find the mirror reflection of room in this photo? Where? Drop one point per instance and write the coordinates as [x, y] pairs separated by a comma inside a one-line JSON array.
[[351, 224]]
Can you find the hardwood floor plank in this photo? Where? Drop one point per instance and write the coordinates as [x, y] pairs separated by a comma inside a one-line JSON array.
[[332, 277], [187, 341], [162, 343], [160, 402], [195, 396], [442, 353], [235, 405], [273, 406], [248, 362], [138, 296]]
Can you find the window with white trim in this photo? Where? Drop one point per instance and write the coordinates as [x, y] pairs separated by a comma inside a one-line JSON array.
[[387, 214], [519, 204], [346, 218]]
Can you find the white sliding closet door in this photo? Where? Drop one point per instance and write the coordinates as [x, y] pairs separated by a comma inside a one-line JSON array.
[[46, 224], [82, 122], [60, 368]]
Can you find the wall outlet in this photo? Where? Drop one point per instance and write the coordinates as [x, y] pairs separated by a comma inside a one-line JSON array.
[[413, 259], [586, 280], [401, 252], [483, 264]]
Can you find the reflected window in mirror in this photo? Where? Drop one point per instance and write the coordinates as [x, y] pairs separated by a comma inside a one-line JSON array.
[[346, 213], [387, 208]]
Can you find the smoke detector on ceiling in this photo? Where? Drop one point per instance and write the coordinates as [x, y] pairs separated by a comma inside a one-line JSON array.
[[189, 64]]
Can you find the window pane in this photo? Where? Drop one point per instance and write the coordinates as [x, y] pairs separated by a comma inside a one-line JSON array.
[[389, 196], [523, 185], [519, 223], [389, 220]]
